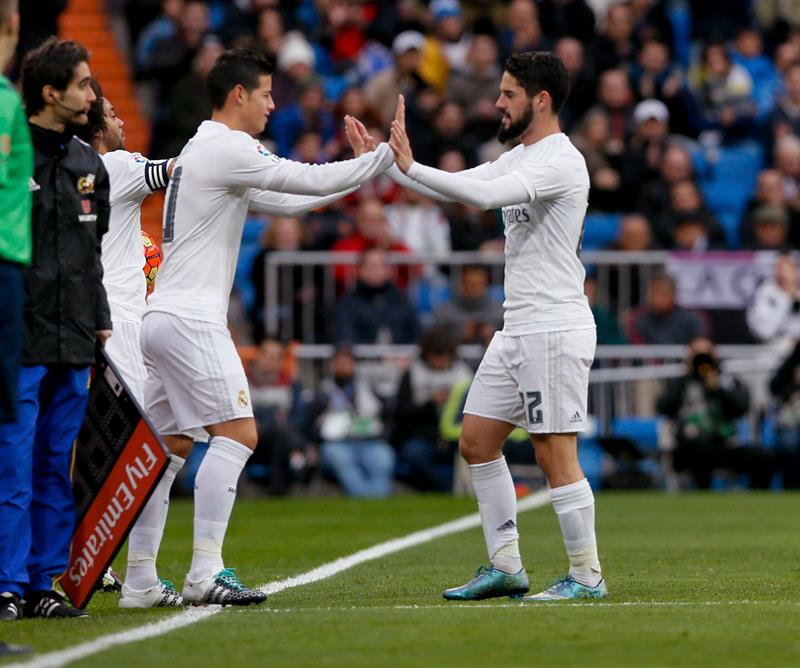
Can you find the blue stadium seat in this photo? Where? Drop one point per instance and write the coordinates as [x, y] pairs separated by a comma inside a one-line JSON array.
[[725, 196], [426, 295], [730, 222], [680, 16], [600, 230], [643, 431], [740, 165]]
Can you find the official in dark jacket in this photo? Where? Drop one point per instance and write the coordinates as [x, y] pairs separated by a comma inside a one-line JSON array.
[[66, 313]]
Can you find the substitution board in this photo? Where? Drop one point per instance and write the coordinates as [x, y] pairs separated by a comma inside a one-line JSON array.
[[119, 460]]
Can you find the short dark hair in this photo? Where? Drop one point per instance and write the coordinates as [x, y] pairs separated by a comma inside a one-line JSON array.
[[438, 340], [538, 71], [239, 66], [52, 63], [97, 119]]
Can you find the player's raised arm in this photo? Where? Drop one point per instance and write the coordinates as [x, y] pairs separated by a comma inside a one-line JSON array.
[[473, 181], [483, 193], [240, 90]]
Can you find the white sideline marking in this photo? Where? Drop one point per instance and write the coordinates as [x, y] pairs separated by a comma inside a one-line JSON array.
[[62, 657]]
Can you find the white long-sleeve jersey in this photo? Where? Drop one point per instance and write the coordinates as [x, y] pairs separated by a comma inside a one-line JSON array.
[[219, 175], [543, 190], [133, 177]]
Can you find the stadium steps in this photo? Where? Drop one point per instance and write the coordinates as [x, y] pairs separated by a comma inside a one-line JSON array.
[[86, 22]]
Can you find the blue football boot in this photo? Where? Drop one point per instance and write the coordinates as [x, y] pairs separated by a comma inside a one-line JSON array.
[[568, 589], [489, 582]]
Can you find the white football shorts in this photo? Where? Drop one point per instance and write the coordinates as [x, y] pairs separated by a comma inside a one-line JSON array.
[[125, 350], [195, 377], [539, 382]]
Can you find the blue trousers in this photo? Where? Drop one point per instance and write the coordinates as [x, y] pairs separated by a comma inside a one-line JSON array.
[[11, 304], [363, 468], [37, 509]]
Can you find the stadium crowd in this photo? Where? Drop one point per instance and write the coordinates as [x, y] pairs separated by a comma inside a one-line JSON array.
[[688, 115]]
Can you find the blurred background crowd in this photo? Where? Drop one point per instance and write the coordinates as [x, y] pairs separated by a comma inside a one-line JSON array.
[[688, 115]]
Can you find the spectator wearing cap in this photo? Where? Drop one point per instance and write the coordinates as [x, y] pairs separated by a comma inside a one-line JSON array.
[[770, 229], [295, 63], [645, 148], [382, 89], [446, 49]]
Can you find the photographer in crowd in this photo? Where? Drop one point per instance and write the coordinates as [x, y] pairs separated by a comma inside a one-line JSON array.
[[704, 406]]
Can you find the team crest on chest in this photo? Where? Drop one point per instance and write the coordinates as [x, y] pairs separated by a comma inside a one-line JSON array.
[[86, 184]]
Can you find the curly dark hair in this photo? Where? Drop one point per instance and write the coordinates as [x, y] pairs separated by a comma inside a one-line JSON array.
[[97, 120], [539, 71], [239, 66], [52, 63]]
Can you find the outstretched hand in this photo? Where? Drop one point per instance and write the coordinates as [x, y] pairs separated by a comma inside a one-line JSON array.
[[399, 139], [361, 141]]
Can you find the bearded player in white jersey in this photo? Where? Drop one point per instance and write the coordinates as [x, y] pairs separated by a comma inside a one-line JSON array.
[[195, 380], [535, 372], [133, 177]]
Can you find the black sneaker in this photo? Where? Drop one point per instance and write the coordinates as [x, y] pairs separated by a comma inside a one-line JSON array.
[[50, 604], [10, 607]]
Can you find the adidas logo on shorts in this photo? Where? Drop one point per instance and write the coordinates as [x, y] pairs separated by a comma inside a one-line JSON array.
[[576, 418]]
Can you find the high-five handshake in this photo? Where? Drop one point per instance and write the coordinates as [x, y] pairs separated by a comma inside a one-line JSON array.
[[361, 141]]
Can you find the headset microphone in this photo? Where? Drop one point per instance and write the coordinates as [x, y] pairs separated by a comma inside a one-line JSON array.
[[64, 106]]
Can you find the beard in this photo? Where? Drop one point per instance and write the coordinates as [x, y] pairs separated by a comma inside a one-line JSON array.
[[516, 128]]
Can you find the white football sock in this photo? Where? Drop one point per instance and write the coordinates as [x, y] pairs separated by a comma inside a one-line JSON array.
[[574, 506], [145, 537], [497, 502], [214, 494]]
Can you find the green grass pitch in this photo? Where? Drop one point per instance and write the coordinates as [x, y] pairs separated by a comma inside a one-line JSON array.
[[695, 580]]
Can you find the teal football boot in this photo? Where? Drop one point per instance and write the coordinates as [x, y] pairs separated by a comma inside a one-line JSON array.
[[568, 589], [490, 582]]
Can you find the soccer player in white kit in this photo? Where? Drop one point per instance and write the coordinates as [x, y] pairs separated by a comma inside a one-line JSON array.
[[535, 372], [133, 177], [195, 380]]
